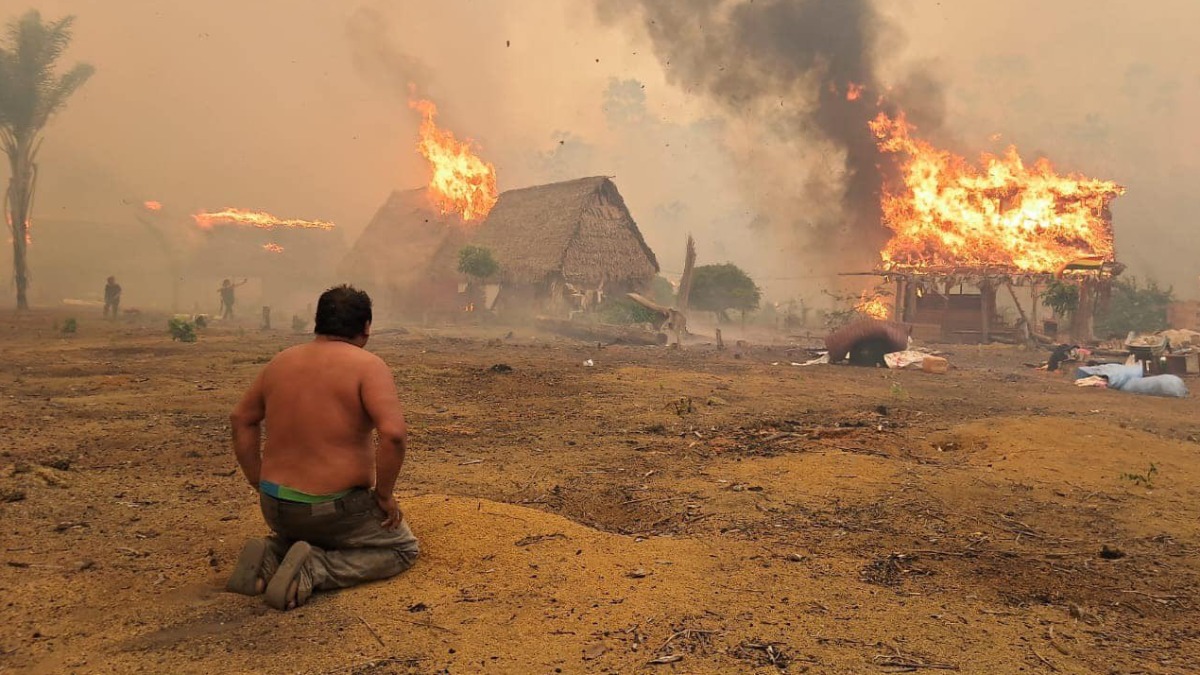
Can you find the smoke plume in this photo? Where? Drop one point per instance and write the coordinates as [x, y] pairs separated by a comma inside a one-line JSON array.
[[377, 56], [790, 71]]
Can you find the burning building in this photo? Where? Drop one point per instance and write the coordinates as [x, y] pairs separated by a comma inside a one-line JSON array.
[[547, 239], [405, 256], [961, 233], [575, 234], [287, 260], [575, 238]]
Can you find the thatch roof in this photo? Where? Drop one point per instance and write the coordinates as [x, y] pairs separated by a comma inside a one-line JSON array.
[[580, 229], [400, 244]]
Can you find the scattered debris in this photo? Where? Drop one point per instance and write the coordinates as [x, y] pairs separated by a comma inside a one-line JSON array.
[[536, 538], [594, 651], [9, 495], [639, 573], [935, 364], [669, 658], [61, 463], [502, 368], [1111, 553], [908, 662], [765, 654], [892, 570]]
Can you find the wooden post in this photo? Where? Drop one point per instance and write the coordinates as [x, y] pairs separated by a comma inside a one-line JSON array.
[[910, 302], [985, 310], [1024, 319], [266, 321], [1081, 322], [1033, 307], [720, 342], [901, 300]]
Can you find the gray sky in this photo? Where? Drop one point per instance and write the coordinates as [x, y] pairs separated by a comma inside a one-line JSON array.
[[260, 105]]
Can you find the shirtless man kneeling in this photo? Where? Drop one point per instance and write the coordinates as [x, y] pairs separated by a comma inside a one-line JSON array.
[[325, 493]]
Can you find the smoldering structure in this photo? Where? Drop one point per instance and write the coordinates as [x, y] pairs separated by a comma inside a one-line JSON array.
[[559, 247]]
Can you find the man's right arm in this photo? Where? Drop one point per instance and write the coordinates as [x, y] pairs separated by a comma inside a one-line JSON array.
[[383, 406]]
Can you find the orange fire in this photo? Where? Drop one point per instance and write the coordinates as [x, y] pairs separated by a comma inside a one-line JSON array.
[[872, 305], [262, 219], [462, 183], [151, 205], [854, 91], [1001, 214], [272, 247]]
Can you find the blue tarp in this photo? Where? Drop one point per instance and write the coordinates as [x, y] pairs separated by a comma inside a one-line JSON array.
[[1130, 379]]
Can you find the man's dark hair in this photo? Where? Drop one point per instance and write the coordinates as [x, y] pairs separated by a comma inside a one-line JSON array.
[[343, 311]]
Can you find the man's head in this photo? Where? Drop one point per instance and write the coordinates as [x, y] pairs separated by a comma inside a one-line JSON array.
[[344, 312], [112, 280], [225, 282]]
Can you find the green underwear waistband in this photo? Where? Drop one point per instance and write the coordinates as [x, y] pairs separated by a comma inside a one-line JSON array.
[[288, 494]]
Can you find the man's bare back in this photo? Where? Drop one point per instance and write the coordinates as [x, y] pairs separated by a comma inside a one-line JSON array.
[[318, 426], [327, 493]]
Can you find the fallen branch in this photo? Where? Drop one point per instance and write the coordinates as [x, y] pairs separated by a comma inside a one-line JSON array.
[[375, 663], [372, 629], [652, 500]]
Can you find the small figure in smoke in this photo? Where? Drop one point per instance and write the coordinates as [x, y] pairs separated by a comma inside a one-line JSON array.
[[112, 297], [227, 297]]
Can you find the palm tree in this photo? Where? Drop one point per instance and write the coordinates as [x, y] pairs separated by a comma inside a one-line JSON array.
[[30, 94]]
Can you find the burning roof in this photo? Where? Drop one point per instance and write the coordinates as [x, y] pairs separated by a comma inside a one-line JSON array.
[[947, 214], [461, 182], [260, 219]]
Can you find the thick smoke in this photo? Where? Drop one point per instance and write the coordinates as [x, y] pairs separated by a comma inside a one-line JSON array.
[[378, 57], [785, 70]]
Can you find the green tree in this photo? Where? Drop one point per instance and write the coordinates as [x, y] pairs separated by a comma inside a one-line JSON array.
[[1135, 307], [477, 262], [30, 94], [720, 288], [661, 291], [1062, 297]]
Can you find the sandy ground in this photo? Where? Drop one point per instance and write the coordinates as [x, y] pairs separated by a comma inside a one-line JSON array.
[[709, 509]]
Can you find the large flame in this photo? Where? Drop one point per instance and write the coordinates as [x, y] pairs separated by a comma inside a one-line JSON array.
[[462, 183], [872, 305], [1003, 214], [151, 205], [272, 247], [262, 219]]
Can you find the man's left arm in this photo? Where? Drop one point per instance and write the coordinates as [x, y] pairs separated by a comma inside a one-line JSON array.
[[246, 421]]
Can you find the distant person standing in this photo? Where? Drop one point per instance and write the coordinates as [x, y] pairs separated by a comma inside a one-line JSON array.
[[227, 297], [112, 297]]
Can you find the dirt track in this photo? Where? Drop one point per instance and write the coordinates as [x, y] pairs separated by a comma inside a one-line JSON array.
[[826, 519]]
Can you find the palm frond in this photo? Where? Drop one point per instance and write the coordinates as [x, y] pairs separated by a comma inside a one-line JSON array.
[[30, 91]]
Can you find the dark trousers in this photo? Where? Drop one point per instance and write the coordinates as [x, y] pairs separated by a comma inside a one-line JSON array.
[[349, 546]]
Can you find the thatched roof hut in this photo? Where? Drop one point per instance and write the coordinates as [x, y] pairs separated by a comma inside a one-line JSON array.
[[398, 254], [579, 230]]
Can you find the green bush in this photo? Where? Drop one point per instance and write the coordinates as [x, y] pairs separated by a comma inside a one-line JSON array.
[[69, 326], [661, 291], [477, 262], [1062, 297], [181, 329], [1134, 307], [625, 311], [720, 288]]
